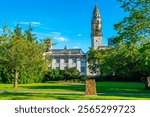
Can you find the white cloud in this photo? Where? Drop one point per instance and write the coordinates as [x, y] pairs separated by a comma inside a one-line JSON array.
[[41, 34], [33, 23], [60, 38], [45, 28], [55, 35], [51, 34], [79, 35], [76, 47]]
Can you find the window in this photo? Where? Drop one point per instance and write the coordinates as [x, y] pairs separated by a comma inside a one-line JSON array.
[[82, 63], [82, 69], [74, 60], [66, 60], [57, 60]]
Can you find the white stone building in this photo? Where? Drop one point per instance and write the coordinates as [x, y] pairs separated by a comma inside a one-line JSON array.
[[75, 58], [69, 58]]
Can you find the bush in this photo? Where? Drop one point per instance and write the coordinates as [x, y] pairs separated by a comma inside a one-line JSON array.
[[56, 75], [52, 75]]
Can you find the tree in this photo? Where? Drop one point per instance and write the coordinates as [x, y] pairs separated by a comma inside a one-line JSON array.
[[29, 35], [56, 74], [48, 43], [52, 75], [70, 74], [135, 29], [136, 26], [130, 60], [145, 64], [21, 54], [101, 60]]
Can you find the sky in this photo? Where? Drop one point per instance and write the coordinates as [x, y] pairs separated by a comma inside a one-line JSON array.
[[67, 22]]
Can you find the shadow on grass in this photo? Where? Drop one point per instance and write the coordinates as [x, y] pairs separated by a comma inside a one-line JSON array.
[[65, 87], [32, 96]]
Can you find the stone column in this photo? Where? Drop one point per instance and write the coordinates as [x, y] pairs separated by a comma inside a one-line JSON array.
[[62, 64], [69, 63], [90, 87], [53, 64], [78, 65]]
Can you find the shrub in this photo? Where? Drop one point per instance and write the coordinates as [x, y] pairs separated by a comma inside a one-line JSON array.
[[56, 75]]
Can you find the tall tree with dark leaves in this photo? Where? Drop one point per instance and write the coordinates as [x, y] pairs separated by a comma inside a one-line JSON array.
[[29, 35], [22, 55], [135, 28]]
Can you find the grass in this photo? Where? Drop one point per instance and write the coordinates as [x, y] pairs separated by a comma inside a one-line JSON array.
[[121, 87], [27, 96], [45, 87], [74, 91]]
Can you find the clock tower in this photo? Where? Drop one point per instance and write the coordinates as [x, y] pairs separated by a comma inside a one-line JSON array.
[[96, 29]]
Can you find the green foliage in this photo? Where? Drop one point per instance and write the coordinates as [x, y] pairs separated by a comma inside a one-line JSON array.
[[71, 74], [122, 64], [29, 35], [130, 61], [56, 75], [48, 44], [134, 30], [136, 26], [53, 75], [6, 74], [22, 56]]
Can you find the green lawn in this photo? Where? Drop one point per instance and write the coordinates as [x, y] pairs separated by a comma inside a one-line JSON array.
[[67, 91]]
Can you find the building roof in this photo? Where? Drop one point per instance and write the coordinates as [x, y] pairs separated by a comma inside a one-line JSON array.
[[67, 51]]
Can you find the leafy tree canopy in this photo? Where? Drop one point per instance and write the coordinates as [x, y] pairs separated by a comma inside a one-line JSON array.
[[22, 55]]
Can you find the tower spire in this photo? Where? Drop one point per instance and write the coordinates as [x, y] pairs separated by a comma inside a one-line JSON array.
[[96, 10], [96, 31]]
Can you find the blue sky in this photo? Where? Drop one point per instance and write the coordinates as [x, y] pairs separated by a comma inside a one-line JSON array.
[[67, 21]]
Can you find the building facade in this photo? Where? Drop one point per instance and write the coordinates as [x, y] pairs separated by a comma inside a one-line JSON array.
[[75, 58], [69, 58]]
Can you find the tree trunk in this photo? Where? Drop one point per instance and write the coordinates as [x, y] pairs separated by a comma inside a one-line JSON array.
[[16, 78], [90, 87], [147, 83]]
